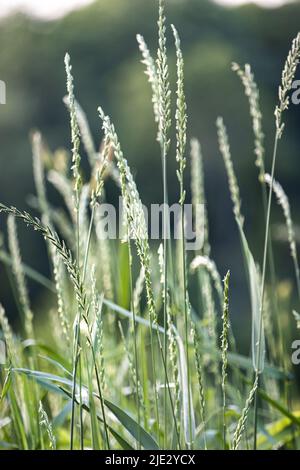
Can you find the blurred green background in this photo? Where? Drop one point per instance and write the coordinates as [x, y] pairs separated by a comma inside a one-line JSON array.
[[101, 40]]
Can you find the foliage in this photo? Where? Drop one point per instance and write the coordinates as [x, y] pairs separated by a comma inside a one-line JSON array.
[[162, 370]]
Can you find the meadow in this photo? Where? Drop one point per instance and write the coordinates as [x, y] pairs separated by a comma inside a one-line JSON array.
[[165, 373]]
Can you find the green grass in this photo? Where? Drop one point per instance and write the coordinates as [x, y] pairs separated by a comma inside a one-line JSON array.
[[128, 355]]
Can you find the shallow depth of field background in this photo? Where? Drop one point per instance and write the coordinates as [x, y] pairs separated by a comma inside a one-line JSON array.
[[106, 65]]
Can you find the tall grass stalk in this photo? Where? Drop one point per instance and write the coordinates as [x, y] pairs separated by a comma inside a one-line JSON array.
[[134, 330], [198, 194], [8, 336], [96, 193], [241, 426], [105, 256], [207, 303], [44, 422], [173, 354], [197, 351], [75, 138], [224, 349], [27, 323], [39, 174], [181, 127], [288, 75], [258, 338], [283, 201], [39, 180], [250, 266], [138, 289], [27, 318], [151, 74], [136, 227], [75, 277], [97, 327], [252, 93], [133, 364], [135, 218], [232, 181], [164, 122], [158, 76]]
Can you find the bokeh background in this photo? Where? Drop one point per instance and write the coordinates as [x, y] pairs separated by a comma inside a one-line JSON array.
[[101, 39]]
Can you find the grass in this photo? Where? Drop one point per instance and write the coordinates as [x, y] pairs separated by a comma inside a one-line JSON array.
[[129, 355]]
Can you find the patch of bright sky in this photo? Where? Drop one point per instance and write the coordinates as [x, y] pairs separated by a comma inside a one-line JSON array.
[[264, 3], [49, 9]]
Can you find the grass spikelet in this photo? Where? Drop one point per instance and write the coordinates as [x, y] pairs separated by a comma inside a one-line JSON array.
[[61, 220], [138, 289], [238, 434], [287, 79], [226, 154], [224, 348], [173, 355], [83, 210], [75, 132], [62, 185], [297, 318], [39, 179], [198, 193], [164, 92], [171, 343], [61, 306], [85, 131], [99, 181], [19, 276], [95, 195], [283, 201], [252, 92], [180, 117], [160, 253], [138, 389], [8, 336], [151, 73], [210, 272], [97, 335], [133, 329], [38, 173], [44, 422], [269, 329], [198, 362], [210, 266], [105, 256], [58, 244]]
